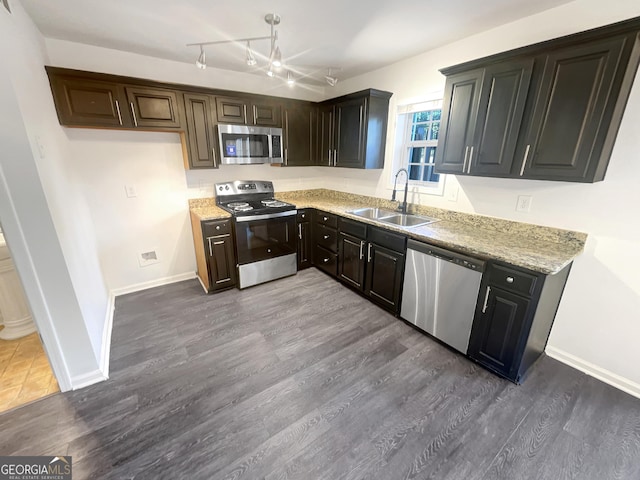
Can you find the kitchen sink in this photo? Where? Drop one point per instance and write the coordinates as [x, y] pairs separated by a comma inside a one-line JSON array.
[[407, 220], [373, 213], [392, 218]]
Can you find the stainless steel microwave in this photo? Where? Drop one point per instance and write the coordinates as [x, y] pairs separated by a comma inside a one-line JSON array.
[[244, 145]]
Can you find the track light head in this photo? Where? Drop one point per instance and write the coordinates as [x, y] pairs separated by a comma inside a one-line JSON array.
[[201, 62], [277, 58], [270, 72], [290, 80], [331, 80], [251, 59]]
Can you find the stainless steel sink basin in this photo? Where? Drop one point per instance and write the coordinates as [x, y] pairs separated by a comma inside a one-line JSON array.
[[407, 220], [373, 213]]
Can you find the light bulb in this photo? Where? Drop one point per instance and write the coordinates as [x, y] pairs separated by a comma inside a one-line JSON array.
[[202, 59], [277, 58], [290, 80], [251, 59]]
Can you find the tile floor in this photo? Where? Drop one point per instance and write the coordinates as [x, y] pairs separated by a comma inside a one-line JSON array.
[[25, 373]]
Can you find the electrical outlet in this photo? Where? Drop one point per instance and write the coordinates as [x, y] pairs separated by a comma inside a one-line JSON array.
[[131, 191], [148, 258], [524, 203], [452, 193]]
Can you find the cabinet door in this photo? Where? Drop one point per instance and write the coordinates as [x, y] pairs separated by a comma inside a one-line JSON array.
[[384, 276], [231, 110], [566, 128], [201, 141], [350, 132], [459, 115], [351, 262], [88, 103], [222, 262], [325, 138], [305, 243], [297, 131], [502, 102], [267, 114], [496, 333], [153, 107]]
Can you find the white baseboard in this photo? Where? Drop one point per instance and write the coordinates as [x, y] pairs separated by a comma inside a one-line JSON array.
[[613, 379], [153, 283], [86, 379]]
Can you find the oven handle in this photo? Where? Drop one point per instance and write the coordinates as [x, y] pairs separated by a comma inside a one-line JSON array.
[[267, 216]]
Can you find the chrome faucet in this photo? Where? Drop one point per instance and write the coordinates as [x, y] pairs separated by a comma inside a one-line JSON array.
[[403, 207]]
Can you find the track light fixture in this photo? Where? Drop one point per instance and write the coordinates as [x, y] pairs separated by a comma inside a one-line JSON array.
[[201, 62], [275, 62], [251, 59]]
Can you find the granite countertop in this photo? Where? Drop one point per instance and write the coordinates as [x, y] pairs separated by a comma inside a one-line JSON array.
[[542, 249]]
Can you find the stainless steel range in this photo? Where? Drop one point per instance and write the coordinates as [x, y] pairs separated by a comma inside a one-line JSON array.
[[265, 230]]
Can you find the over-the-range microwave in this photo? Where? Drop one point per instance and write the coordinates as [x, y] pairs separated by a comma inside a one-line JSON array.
[[244, 145]]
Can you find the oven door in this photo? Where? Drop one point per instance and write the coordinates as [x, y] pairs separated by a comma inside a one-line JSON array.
[[259, 238]]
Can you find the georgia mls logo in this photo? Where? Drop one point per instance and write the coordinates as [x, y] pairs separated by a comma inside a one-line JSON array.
[[35, 468]]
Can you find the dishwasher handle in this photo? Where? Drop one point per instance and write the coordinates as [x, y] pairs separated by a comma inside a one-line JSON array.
[[447, 255]]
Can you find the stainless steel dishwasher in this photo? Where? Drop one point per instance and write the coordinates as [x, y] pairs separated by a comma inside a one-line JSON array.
[[440, 292]]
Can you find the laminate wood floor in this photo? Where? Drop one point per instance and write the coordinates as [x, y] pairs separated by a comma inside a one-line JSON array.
[[303, 379]]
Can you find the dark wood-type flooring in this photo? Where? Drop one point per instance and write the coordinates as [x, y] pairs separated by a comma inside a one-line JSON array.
[[304, 379]]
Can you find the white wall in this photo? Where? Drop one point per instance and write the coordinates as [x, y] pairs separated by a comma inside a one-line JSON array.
[[597, 325], [39, 212]]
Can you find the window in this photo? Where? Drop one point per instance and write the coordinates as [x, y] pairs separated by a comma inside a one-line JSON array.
[[417, 136]]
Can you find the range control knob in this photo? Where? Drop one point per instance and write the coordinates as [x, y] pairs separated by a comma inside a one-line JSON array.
[[226, 187]]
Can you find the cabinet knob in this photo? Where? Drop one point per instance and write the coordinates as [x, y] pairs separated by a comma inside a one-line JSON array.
[[325, 260], [325, 218], [509, 279], [325, 236], [217, 227], [268, 250], [302, 215]]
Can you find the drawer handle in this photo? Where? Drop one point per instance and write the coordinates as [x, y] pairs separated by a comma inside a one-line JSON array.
[[325, 260], [326, 236], [509, 279], [300, 231], [486, 300]]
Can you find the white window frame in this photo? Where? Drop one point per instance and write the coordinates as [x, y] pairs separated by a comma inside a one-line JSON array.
[[404, 144]]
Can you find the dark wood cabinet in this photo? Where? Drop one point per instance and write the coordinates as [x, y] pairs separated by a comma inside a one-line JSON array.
[[565, 136], [305, 239], [500, 111], [83, 102], [220, 254], [352, 130], [549, 111], [201, 141], [154, 107], [325, 244], [298, 126], [248, 111], [460, 114], [351, 261], [513, 318], [349, 133], [371, 260], [324, 135]]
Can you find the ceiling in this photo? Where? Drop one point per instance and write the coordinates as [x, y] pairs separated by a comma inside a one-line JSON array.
[[354, 36]]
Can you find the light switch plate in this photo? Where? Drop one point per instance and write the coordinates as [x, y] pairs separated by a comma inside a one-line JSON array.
[[131, 191], [524, 203]]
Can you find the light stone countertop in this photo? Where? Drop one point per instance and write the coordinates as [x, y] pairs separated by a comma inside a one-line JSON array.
[[541, 249]]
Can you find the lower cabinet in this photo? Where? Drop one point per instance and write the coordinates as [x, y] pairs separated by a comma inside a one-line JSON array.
[[371, 260], [215, 253], [513, 319], [325, 242], [305, 239]]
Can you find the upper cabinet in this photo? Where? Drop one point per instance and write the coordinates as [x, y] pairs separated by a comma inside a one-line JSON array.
[[200, 141], [248, 111], [352, 130], [549, 111], [297, 130], [83, 102], [154, 107]]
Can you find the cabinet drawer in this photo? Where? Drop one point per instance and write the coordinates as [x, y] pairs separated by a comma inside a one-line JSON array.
[[326, 260], [216, 227], [324, 218], [357, 229], [512, 280], [390, 240], [303, 216], [327, 237]]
